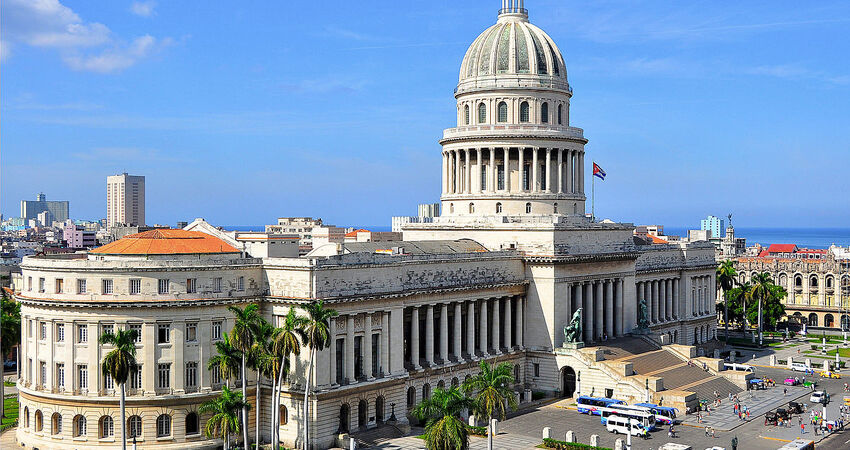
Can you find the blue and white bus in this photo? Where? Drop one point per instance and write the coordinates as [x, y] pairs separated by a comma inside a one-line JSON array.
[[663, 414], [640, 413], [592, 405]]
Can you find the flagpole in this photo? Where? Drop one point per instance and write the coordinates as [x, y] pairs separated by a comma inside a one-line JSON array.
[[593, 198]]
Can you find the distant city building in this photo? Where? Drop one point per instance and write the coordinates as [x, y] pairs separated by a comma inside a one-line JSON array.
[[713, 224], [125, 200], [427, 213], [45, 218], [305, 228], [361, 235], [429, 210], [76, 236], [699, 235], [182, 224], [30, 209]]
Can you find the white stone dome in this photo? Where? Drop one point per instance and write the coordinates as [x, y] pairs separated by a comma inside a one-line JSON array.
[[513, 49]]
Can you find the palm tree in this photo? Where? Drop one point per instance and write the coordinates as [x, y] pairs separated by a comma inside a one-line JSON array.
[[493, 395], [225, 415], [262, 333], [242, 337], [315, 335], [118, 364], [284, 342], [227, 358], [444, 429], [726, 277], [762, 289], [10, 331]]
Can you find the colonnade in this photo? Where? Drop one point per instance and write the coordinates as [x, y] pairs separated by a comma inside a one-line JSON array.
[[662, 299], [602, 307], [463, 330], [362, 352], [702, 302], [483, 170]]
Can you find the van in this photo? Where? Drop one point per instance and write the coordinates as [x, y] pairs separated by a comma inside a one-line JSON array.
[[622, 425], [739, 367], [799, 367]]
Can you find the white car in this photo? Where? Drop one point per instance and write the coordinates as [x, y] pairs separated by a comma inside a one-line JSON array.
[[799, 367], [817, 397]]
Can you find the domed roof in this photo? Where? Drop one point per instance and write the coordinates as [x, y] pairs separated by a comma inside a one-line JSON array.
[[513, 46], [166, 242]]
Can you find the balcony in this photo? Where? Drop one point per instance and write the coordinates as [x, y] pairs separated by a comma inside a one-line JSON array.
[[513, 130]]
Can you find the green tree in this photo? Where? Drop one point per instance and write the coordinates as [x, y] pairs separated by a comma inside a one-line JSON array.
[[284, 342], [444, 428], [737, 298], [242, 336], [118, 364], [726, 277], [225, 415], [259, 351], [762, 290], [227, 359], [10, 331], [315, 335], [492, 394]]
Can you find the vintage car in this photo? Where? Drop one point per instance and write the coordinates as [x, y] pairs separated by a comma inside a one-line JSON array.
[[795, 408], [771, 418], [829, 374], [783, 414], [790, 382]]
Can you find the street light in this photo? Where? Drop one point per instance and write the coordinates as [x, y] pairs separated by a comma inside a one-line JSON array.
[[647, 390]]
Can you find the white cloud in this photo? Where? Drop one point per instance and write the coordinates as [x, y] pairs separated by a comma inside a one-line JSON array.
[[82, 45], [143, 9]]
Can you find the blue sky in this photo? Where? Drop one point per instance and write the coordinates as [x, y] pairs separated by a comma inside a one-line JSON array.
[[241, 112]]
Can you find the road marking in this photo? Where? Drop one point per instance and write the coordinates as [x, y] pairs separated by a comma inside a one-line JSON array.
[[775, 439]]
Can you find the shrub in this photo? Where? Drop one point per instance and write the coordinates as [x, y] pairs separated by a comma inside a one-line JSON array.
[[562, 445], [537, 395], [477, 431]]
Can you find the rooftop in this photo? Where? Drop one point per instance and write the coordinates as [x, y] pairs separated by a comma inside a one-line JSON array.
[[166, 242]]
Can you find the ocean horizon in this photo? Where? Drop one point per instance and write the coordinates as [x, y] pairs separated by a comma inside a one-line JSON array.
[[803, 237]]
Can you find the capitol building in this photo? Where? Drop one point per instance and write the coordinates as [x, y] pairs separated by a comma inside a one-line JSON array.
[[497, 277]]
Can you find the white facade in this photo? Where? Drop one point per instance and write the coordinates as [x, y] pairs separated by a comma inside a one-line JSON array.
[[125, 200]]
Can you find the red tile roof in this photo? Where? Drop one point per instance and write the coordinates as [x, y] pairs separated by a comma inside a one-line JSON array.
[[354, 233], [656, 239], [782, 248], [166, 242]]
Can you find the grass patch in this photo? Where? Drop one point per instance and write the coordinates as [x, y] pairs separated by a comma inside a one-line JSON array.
[[8, 383], [842, 352], [10, 411], [562, 445]]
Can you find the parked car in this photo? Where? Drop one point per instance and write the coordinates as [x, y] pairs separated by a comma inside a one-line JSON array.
[[783, 414], [795, 408], [771, 418], [829, 374], [799, 367], [790, 382], [9, 366], [819, 397]]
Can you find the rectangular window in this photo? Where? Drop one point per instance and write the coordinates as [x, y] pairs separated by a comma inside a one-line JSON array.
[[162, 286], [42, 333], [525, 181], [483, 177], [42, 368], [138, 328], [81, 286], [108, 329], [106, 287], [191, 285], [536, 370], [29, 283], [60, 285], [60, 376], [60, 332], [191, 332], [29, 328], [240, 283], [163, 379], [340, 364], [216, 285], [500, 176], [29, 370], [83, 376], [135, 286], [82, 334], [41, 285], [136, 378], [191, 374], [108, 383], [216, 330], [215, 375], [163, 335]]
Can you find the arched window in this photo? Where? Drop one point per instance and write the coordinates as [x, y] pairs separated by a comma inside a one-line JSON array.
[[426, 391], [39, 420], [503, 112], [466, 114], [482, 113], [544, 112], [471, 208], [79, 426], [516, 373], [829, 283], [441, 384], [455, 382], [498, 208], [26, 416], [813, 281], [575, 208], [106, 426], [560, 117], [813, 320], [798, 281], [523, 112], [193, 425], [528, 208], [134, 427], [56, 424], [163, 425], [556, 208], [451, 208], [344, 418], [284, 415], [828, 321], [411, 396]]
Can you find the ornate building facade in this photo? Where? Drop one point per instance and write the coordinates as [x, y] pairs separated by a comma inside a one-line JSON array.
[[496, 278]]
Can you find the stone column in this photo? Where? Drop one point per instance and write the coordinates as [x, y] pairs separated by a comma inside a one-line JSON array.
[[600, 305], [569, 169], [521, 168], [414, 337], [560, 171], [587, 312], [676, 298], [483, 328], [331, 350], [520, 322], [444, 332], [492, 185], [445, 183], [384, 349], [497, 344], [507, 152], [429, 334], [620, 316], [458, 341], [367, 346], [477, 172], [467, 182], [549, 170], [609, 308], [470, 328], [396, 341], [535, 181], [662, 301], [509, 324], [668, 309], [581, 172], [349, 348], [654, 300], [569, 304]]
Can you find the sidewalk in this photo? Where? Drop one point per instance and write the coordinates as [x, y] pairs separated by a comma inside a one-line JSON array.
[[758, 402], [511, 441]]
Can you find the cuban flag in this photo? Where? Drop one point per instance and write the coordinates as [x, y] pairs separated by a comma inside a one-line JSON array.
[[598, 172]]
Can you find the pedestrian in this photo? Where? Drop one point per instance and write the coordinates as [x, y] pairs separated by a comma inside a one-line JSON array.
[[802, 428], [785, 391], [735, 443], [748, 414], [706, 431]]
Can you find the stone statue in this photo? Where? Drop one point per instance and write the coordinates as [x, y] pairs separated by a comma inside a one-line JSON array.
[[573, 331], [643, 319]]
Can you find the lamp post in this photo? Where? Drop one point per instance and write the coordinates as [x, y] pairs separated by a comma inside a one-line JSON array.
[[578, 382], [646, 380]]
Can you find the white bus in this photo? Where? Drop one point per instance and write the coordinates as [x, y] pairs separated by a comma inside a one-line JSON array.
[[639, 413], [624, 425]]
